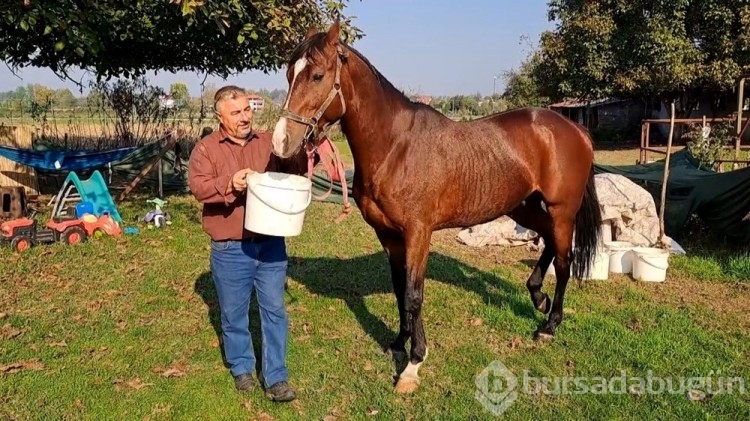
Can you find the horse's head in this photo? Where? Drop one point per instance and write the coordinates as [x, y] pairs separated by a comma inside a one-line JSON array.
[[314, 100]]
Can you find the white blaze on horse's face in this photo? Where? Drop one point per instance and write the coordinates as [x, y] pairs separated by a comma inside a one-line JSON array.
[[279, 132]]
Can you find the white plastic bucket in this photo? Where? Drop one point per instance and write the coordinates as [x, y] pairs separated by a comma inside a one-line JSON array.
[[599, 269], [276, 203], [650, 264], [620, 256]]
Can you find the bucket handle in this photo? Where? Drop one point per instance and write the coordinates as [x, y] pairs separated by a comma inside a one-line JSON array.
[[644, 260], [294, 212]]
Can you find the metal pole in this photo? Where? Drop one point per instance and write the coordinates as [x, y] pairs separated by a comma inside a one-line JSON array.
[[161, 178], [740, 100]]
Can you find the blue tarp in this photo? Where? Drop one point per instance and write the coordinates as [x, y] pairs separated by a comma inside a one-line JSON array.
[[58, 160]]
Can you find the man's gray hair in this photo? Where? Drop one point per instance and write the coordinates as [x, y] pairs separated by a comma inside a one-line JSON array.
[[228, 92]]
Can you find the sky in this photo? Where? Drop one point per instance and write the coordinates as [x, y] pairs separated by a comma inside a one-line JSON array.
[[426, 47]]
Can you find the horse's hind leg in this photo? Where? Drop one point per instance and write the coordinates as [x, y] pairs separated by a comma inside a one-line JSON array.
[[563, 220], [533, 215]]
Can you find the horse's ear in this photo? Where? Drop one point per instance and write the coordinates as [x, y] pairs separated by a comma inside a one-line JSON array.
[[332, 37], [310, 33]]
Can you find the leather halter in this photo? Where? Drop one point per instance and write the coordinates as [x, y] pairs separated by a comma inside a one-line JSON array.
[[329, 154], [313, 131]]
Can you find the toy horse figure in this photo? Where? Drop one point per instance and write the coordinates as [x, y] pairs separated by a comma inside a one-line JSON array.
[[417, 171]]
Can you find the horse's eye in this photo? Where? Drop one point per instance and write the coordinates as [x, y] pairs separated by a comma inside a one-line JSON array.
[[318, 77]]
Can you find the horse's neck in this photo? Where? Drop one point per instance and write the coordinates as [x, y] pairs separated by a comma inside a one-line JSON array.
[[368, 123]]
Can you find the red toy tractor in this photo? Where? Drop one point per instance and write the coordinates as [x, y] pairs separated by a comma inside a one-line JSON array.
[[24, 233]]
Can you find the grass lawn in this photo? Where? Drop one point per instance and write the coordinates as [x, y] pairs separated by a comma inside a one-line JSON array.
[[127, 328]]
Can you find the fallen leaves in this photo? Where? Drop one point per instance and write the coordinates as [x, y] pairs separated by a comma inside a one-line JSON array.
[[33, 365], [10, 332], [176, 370], [134, 383]]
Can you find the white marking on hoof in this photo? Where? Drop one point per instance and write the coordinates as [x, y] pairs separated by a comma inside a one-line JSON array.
[[407, 385], [545, 337], [408, 380]]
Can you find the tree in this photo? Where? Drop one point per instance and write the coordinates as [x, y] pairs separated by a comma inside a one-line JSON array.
[[670, 49], [63, 98], [522, 88], [180, 94], [122, 39]]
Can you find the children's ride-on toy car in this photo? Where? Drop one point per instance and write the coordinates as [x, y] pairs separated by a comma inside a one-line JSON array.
[[25, 233]]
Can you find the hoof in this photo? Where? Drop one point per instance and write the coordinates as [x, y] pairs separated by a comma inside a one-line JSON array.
[[543, 335], [406, 385], [545, 305]]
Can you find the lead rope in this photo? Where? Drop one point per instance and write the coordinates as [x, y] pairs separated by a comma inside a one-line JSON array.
[[331, 159]]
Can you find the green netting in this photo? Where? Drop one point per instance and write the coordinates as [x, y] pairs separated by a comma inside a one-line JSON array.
[[174, 177], [721, 200]]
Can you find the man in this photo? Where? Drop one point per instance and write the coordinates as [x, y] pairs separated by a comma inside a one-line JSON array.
[[242, 261]]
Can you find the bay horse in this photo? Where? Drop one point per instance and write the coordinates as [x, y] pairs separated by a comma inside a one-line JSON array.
[[417, 171]]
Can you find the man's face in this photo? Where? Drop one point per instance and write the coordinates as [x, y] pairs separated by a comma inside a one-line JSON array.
[[236, 116]]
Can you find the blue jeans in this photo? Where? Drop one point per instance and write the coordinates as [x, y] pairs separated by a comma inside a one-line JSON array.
[[238, 268]]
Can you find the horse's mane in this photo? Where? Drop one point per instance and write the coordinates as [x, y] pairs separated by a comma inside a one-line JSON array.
[[312, 48]]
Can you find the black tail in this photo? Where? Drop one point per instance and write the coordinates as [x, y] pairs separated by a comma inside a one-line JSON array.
[[587, 230]]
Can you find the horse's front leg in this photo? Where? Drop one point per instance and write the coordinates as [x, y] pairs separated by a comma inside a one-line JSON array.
[[393, 244], [417, 240]]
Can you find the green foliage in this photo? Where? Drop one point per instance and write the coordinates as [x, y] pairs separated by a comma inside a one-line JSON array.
[[114, 38], [522, 88], [179, 92], [708, 149], [672, 49]]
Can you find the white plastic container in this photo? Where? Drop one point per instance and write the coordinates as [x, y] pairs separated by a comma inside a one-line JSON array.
[[599, 269], [276, 203], [650, 264], [620, 256]]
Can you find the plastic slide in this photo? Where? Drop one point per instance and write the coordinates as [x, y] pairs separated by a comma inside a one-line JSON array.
[[95, 191]]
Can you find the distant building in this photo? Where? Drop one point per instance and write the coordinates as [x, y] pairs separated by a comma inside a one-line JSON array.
[[167, 102], [256, 102]]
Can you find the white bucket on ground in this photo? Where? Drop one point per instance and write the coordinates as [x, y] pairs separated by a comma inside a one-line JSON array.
[[650, 264], [599, 269], [620, 256], [276, 203]]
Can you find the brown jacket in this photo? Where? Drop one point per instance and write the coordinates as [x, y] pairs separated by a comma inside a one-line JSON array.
[[213, 162]]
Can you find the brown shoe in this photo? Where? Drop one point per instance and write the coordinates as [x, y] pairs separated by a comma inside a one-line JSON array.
[[244, 382], [281, 392]]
